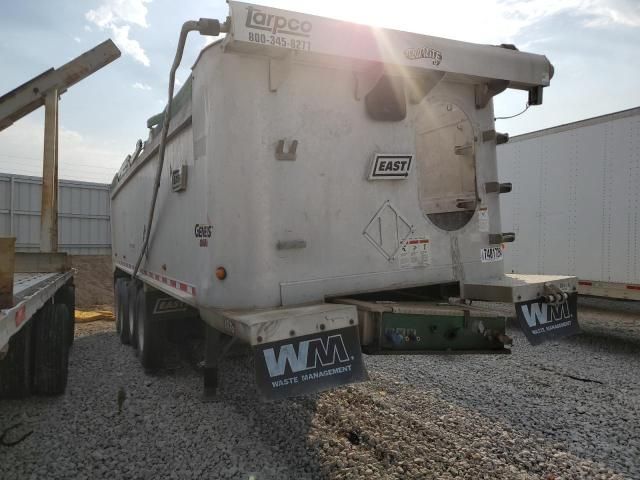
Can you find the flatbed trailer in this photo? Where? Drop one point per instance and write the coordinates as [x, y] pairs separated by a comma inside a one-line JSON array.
[[37, 293], [37, 328]]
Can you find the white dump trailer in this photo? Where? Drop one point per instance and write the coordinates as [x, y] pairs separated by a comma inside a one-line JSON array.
[[323, 184], [575, 203]]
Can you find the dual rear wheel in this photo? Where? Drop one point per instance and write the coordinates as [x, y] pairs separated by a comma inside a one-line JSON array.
[[135, 324], [38, 357]]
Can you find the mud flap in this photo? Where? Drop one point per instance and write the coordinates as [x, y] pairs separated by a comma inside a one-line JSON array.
[[542, 321], [312, 363]]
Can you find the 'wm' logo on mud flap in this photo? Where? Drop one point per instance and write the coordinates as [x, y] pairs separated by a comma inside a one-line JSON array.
[[542, 313], [308, 355]]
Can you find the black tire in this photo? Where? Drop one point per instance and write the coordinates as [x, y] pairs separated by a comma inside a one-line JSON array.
[[16, 367], [149, 335], [67, 295], [135, 287], [121, 298], [51, 350]]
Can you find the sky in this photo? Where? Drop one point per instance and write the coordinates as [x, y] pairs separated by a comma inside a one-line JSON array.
[[593, 44]]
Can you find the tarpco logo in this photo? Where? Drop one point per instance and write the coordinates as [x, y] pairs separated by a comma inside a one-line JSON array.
[[424, 52], [543, 313], [259, 20], [308, 355]]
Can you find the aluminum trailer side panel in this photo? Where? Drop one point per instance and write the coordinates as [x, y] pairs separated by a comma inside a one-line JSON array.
[[258, 207], [576, 200]]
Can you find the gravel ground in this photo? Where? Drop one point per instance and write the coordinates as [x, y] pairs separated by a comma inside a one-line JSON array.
[[570, 409]]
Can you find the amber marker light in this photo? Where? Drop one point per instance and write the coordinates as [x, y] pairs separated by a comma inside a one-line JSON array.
[[221, 273]]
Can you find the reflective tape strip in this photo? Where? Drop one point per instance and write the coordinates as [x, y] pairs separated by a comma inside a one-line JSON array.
[[176, 284]]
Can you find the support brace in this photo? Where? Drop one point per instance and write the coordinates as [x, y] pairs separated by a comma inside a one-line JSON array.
[[486, 91], [212, 348], [49, 210], [217, 346]]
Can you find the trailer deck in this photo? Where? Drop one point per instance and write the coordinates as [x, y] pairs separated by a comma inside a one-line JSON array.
[[31, 291]]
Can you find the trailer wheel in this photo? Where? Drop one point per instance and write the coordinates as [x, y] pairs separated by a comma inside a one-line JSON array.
[[149, 335], [67, 295], [51, 350], [134, 291], [16, 367], [122, 309]]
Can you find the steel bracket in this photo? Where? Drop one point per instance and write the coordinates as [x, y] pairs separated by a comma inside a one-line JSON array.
[[497, 238], [287, 156], [497, 187], [486, 91]]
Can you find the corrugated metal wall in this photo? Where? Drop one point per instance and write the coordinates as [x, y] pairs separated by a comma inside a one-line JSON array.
[[83, 215]]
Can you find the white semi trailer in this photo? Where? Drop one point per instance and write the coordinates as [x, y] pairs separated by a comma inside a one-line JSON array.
[[575, 206], [313, 189]]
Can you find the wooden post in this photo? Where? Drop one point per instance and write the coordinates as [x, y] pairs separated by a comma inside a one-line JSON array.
[[7, 265], [49, 210]]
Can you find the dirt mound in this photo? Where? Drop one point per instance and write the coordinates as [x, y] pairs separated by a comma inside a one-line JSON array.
[[94, 281]]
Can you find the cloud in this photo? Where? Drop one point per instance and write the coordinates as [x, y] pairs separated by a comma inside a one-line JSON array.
[[87, 28], [81, 157], [118, 16], [613, 12], [141, 86], [595, 13], [126, 11], [77, 39], [489, 21], [130, 46]]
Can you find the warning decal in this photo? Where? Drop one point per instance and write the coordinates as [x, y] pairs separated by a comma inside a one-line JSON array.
[[483, 219], [414, 253]]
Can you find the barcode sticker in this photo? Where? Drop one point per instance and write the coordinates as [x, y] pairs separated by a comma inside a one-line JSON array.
[[491, 254]]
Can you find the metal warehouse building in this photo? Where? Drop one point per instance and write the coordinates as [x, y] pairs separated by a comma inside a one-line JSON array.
[[83, 215]]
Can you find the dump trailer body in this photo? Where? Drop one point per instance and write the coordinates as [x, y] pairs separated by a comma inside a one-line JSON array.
[[575, 201], [311, 159]]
